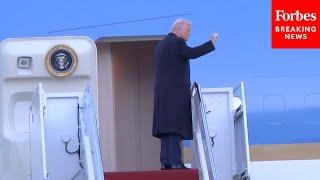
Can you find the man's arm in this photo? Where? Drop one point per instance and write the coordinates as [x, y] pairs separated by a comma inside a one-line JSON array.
[[194, 52]]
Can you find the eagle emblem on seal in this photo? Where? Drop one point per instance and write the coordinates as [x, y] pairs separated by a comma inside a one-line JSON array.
[[61, 61]]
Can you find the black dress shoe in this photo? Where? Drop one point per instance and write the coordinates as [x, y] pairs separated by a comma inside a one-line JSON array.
[[163, 167], [175, 166]]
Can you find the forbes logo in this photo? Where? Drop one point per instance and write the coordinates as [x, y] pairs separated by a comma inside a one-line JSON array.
[[281, 15], [295, 24]]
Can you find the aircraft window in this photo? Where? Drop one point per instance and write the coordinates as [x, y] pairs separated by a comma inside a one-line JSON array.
[[312, 107]]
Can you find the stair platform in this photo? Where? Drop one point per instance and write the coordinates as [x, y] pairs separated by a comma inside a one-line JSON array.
[[189, 174]]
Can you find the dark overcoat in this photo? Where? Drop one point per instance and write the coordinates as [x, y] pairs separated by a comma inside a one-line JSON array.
[[172, 103]]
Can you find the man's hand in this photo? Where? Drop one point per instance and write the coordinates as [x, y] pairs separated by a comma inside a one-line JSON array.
[[214, 38]]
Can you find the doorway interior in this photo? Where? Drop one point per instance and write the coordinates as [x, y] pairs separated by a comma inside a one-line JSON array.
[[126, 71]]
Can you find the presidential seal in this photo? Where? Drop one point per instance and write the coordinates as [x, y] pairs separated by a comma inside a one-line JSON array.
[[61, 61]]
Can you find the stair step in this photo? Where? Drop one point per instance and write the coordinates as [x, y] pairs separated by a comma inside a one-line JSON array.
[[189, 174]]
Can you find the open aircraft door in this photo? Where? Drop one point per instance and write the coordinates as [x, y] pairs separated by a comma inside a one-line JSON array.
[[220, 143], [40, 129]]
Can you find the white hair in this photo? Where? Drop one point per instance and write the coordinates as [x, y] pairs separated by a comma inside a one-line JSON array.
[[178, 24]]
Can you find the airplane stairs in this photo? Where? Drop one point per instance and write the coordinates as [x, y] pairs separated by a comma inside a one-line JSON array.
[[190, 174]]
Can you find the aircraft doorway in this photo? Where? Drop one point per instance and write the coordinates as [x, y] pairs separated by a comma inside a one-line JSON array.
[[126, 69]]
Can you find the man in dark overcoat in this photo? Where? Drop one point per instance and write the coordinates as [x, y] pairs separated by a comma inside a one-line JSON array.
[[172, 118]]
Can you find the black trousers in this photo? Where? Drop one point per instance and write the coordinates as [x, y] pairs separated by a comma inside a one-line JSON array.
[[170, 149]]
